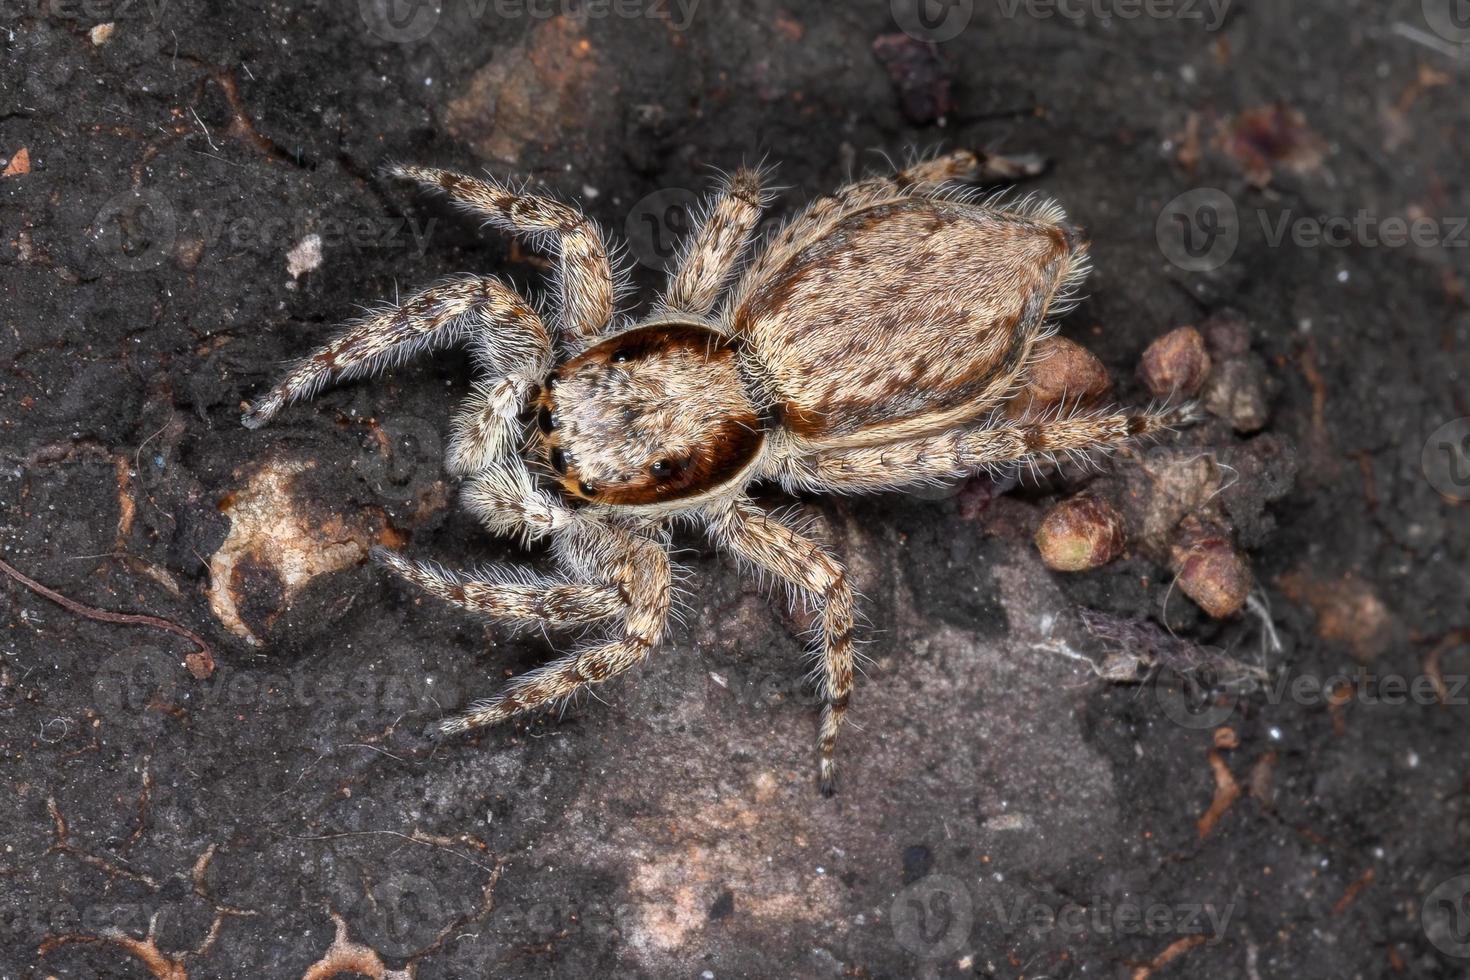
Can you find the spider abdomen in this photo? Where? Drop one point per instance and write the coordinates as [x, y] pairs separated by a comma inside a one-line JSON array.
[[907, 316]]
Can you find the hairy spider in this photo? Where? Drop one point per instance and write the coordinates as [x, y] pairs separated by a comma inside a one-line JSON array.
[[866, 346]]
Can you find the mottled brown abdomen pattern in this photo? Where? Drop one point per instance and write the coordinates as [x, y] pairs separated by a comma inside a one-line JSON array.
[[913, 310]]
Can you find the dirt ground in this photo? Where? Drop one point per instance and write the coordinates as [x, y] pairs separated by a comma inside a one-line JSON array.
[[1049, 775]]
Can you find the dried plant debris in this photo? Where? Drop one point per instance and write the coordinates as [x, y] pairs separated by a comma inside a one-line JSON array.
[[1137, 649]]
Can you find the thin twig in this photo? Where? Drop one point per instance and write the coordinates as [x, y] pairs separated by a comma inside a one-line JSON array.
[[103, 616], [411, 838]]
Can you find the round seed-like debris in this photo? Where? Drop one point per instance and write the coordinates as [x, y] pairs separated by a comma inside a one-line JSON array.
[[1064, 370], [1080, 534], [1176, 364], [1214, 575]]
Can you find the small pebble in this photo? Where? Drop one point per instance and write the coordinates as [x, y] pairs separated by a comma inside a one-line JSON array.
[[1176, 364], [1237, 393], [1213, 573], [1080, 534]]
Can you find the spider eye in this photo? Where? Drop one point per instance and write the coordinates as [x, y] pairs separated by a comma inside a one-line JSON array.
[[664, 468], [547, 420], [587, 489], [558, 460], [622, 355], [550, 382]]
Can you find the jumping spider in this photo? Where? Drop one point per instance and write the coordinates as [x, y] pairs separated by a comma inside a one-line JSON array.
[[865, 347]]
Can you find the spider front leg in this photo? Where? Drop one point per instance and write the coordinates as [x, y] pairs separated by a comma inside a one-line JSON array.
[[637, 569], [509, 596], [611, 568], [439, 315], [769, 544], [485, 428], [584, 275], [712, 253]]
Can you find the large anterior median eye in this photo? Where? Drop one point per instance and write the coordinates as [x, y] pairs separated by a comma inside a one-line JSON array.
[[664, 469]]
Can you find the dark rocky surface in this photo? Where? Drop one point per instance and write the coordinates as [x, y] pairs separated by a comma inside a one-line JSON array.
[[271, 811]]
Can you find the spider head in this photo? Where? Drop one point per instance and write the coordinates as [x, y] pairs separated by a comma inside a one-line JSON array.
[[651, 416]]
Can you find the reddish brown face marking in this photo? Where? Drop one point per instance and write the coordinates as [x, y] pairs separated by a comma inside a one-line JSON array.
[[655, 414]]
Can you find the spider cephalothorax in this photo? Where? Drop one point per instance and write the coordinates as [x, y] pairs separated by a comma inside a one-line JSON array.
[[868, 345], [655, 415]]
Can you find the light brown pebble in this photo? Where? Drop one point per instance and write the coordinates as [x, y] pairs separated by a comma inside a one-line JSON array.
[[1212, 572], [1062, 370], [1080, 534], [1176, 364], [1237, 393]]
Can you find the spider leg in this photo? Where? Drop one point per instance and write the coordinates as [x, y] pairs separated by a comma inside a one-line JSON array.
[[486, 427], [585, 280], [637, 568], [768, 543], [507, 501], [506, 595], [711, 254], [961, 452], [506, 326]]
